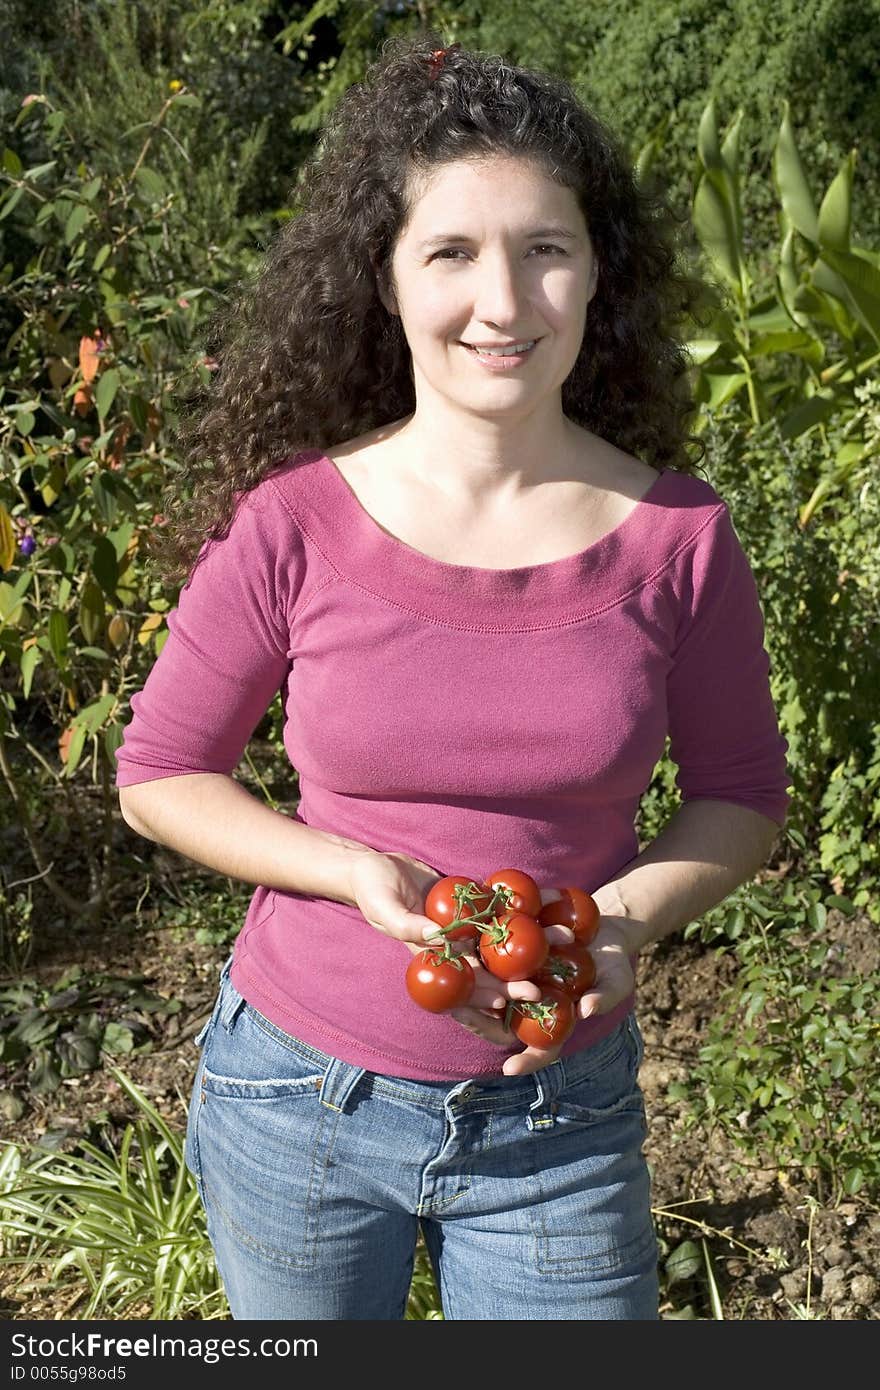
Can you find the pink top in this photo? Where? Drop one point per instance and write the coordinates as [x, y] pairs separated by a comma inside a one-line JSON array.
[[476, 719]]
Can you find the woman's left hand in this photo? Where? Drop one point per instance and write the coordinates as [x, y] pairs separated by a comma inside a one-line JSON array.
[[610, 948]]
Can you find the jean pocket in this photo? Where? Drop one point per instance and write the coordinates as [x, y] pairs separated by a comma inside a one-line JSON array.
[[261, 1139], [603, 1080], [594, 1216]]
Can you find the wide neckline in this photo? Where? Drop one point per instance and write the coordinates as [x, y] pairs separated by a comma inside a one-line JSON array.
[[422, 557], [475, 599]]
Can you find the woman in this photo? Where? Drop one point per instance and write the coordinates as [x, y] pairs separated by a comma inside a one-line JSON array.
[[444, 504]]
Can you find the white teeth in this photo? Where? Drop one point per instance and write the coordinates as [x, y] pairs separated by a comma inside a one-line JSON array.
[[504, 351]]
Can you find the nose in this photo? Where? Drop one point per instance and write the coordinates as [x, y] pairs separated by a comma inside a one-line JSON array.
[[499, 295]]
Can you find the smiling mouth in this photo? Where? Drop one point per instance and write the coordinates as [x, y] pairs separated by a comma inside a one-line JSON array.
[[510, 350]]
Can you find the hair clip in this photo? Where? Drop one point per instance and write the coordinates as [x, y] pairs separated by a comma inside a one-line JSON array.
[[438, 58]]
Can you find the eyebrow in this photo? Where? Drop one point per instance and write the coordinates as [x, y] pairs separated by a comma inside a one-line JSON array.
[[443, 238]]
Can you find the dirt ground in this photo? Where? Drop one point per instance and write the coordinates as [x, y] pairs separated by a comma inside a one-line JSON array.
[[769, 1263]]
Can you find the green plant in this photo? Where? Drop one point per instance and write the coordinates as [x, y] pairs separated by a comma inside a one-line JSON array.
[[47, 1034], [802, 351], [127, 1224], [788, 1069]]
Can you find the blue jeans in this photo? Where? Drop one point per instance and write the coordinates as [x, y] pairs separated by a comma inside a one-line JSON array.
[[532, 1192]]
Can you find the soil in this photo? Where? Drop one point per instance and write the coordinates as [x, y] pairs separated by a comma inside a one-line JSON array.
[[773, 1257]]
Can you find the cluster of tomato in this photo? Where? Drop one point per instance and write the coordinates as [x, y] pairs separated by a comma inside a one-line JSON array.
[[501, 920]]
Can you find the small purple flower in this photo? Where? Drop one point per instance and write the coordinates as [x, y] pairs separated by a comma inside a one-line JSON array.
[[27, 545]]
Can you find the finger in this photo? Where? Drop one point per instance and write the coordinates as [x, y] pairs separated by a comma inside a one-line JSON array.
[[558, 935], [529, 1060], [484, 1025], [596, 1001], [488, 997], [523, 989]]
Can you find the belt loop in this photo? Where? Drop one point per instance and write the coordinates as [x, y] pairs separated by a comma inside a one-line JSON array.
[[339, 1082], [231, 1004], [549, 1081]]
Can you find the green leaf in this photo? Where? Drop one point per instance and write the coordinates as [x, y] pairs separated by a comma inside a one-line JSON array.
[[862, 284], [701, 349], [10, 200], [723, 386], [105, 567], [805, 415], [817, 916], [713, 220], [39, 170], [101, 256], [150, 184], [716, 214], [75, 749], [113, 737], [90, 190], [12, 164], [94, 715], [58, 635], [104, 492], [684, 1262], [78, 218], [117, 1039], [842, 903], [25, 421], [30, 660], [835, 214], [91, 614], [791, 182], [120, 538], [853, 1181], [108, 385]]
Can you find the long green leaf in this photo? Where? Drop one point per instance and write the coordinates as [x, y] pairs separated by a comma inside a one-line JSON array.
[[791, 182], [861, 280], [835, 214]]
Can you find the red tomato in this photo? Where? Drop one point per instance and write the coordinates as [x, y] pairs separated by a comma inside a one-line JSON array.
[[444, 906], [569, 968], [516, 948], [547, 1023], [575, 909], [436, 983], [525, 895]]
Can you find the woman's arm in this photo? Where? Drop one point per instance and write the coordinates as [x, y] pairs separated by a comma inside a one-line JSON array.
[[215, 821], [705, 851]]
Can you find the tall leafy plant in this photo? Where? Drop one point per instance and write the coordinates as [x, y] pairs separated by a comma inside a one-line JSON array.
[[801, 353]]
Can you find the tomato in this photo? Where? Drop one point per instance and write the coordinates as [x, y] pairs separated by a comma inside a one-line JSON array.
[[547, 1023], [444, 906], [437, 983], [524, 896], [575, 909], [569, 968], [515, 948]]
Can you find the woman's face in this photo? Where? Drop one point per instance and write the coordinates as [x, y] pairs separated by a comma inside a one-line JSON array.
[[495, 255]]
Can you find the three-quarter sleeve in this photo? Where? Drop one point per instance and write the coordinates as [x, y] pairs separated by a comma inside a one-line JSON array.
[[227, 653], [723, 729]]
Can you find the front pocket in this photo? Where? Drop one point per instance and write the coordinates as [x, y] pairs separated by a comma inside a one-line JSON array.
[[262, 1142], [594, 1214]]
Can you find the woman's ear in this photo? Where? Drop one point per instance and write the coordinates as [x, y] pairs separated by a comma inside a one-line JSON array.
[[594, 279], [383, 287]]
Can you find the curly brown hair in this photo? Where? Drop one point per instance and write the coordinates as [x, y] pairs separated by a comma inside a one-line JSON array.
[[309, 357]]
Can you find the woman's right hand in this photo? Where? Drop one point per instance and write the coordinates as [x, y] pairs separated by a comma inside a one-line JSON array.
[[390, 891]]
